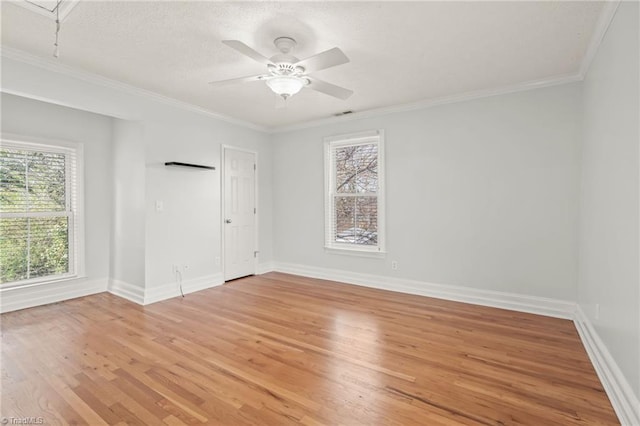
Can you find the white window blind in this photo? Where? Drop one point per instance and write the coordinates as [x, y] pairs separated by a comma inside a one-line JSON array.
[[354, 192], [38, 205]]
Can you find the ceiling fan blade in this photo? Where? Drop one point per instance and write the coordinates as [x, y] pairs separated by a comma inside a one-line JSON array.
[[328, 58], [238, 80], [247, 51], [329, 89]]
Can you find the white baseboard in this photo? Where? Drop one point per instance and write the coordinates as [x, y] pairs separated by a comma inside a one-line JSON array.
[[154, 294], [516, 302], [265, 267], [127, 291], [12, 299], [622, 397]]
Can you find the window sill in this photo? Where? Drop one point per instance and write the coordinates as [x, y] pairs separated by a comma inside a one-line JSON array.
[[38, 282], [355, 252]]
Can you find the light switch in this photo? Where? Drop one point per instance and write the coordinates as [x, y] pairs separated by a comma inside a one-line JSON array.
[[159, 205]]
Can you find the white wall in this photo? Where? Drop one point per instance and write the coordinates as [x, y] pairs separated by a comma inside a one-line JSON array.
[[187, 231], [30, 118], [480, 194], [150, 130], [609, 214], [128, 211]]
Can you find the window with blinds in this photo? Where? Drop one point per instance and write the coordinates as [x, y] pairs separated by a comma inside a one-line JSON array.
[[354, 192], [37, 212]]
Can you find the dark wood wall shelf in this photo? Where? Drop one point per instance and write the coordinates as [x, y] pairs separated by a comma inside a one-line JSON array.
[[195, 166]]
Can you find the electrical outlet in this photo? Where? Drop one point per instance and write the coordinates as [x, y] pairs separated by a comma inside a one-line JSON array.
[[597, 311], [394, 264], [217, 260]]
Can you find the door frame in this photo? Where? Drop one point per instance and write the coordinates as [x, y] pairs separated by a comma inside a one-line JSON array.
[[256, 248]]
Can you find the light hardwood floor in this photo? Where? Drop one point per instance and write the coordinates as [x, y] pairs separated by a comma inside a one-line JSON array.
[[278, 349]]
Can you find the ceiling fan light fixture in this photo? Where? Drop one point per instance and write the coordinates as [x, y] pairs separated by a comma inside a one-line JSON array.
[[286, 85]]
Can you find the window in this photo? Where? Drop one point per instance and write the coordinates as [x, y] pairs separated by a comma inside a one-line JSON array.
[[38, 212], [354, 192]]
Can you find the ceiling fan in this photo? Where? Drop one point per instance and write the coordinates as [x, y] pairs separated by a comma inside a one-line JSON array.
[[286, 75]]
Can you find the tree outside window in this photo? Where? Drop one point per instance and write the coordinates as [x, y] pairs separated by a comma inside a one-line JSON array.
[[36, 213], [353, 194]]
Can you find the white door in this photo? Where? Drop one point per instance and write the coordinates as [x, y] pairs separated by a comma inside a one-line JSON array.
[[239, 213]]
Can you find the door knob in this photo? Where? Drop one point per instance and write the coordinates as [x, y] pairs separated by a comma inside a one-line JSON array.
[[227, 221]]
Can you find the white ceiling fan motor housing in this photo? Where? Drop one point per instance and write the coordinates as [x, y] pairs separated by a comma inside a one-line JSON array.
[[285, 59]]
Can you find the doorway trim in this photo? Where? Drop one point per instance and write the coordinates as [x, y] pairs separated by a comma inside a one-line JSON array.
[[256, 247]]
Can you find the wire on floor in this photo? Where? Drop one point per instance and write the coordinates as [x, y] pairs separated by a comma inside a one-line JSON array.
[[179, 276]]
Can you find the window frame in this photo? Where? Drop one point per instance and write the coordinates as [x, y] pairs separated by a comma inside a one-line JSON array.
[[343, 140], [74, 207]]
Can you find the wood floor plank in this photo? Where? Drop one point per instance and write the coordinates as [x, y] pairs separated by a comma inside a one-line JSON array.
[[279, 349]]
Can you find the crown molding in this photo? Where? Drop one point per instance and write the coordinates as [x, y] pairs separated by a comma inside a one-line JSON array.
[[57, 67], [65, 7], [428, 103], [602, 25]]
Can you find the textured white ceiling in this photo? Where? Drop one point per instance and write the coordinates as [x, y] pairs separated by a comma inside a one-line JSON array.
[[400, 52]]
